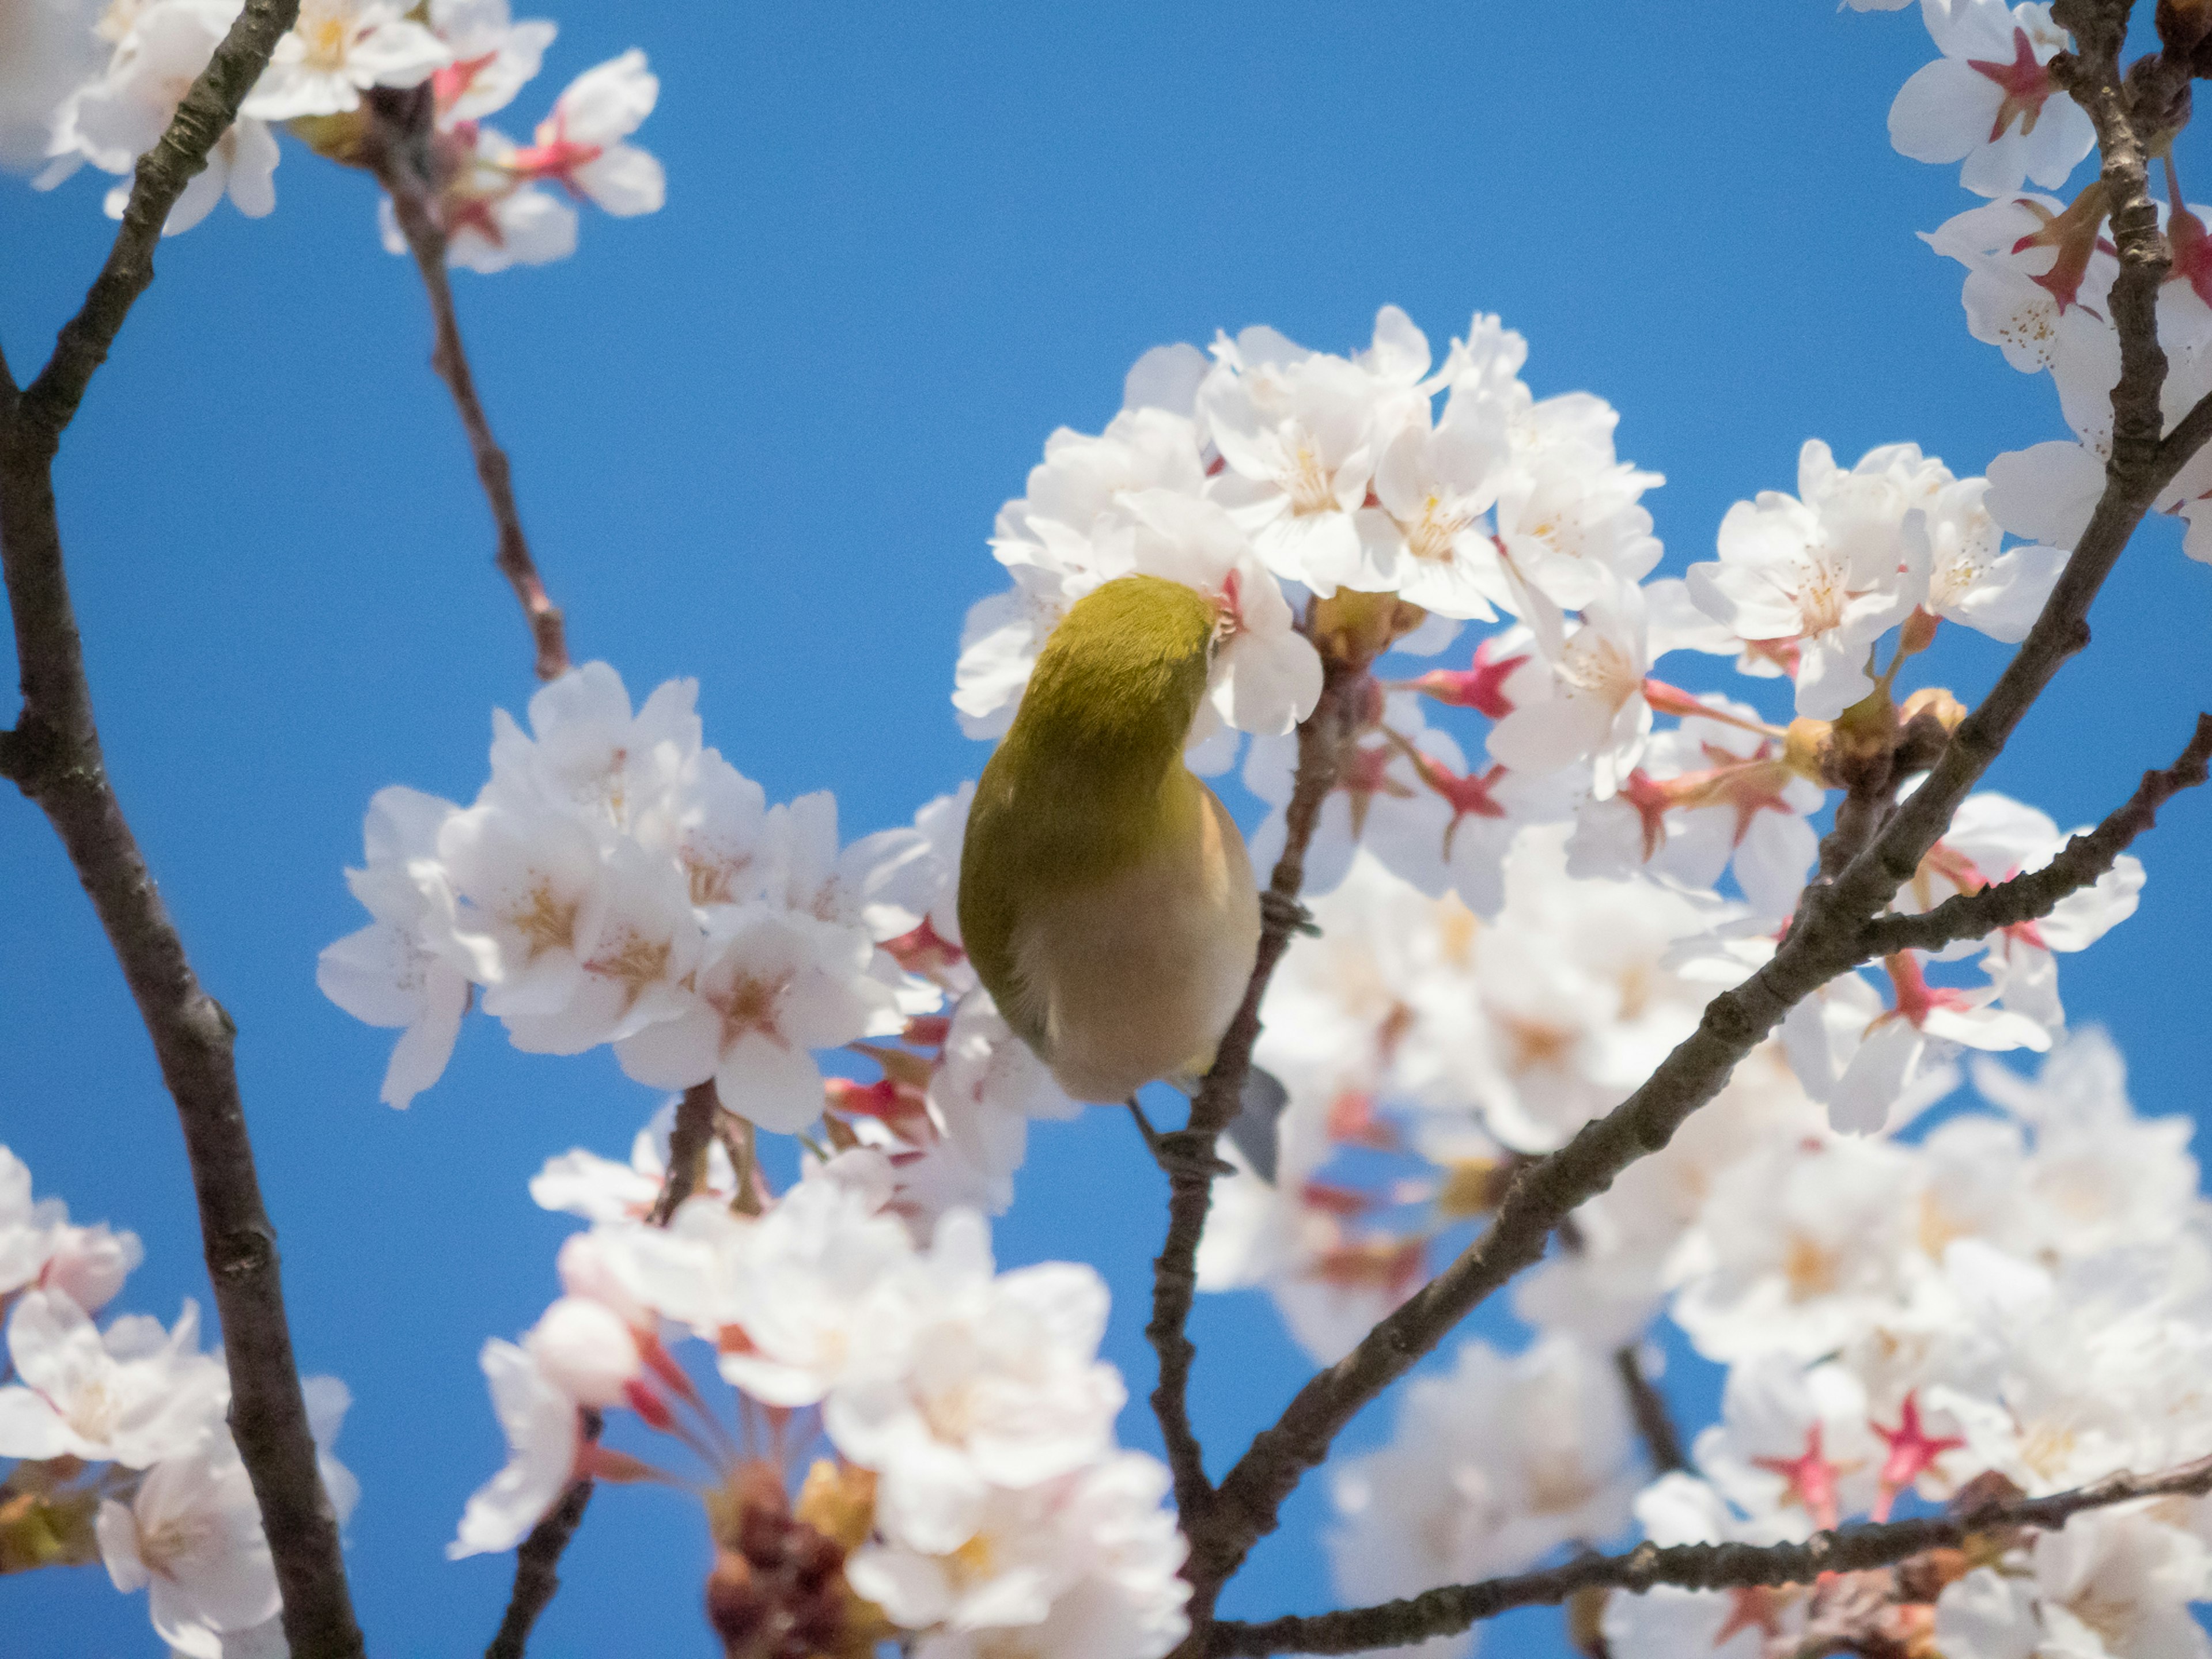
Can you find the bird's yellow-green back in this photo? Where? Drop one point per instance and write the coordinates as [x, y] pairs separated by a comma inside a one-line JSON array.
[[1086, 781]]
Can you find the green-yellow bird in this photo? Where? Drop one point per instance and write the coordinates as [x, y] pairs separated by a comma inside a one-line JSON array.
[[1106, 898]]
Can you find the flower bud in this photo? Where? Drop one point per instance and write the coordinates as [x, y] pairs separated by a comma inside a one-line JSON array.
[[586, 1351], [89, 1264]]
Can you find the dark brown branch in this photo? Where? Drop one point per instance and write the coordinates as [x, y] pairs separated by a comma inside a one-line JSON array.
[[1823, 945], [54, 758], [1647, 1408], [537, 1561], [400, 155], [2082, 862], [1188, 1154], [688, 1138], [1692, 1567]]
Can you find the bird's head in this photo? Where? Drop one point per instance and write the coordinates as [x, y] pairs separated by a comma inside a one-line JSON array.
[[1124, 672]]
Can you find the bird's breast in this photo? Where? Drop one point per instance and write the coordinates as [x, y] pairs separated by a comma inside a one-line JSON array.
[[1135, 975]]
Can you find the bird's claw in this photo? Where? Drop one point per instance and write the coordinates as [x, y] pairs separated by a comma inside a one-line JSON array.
[[1179, 1152], [1287, 914]]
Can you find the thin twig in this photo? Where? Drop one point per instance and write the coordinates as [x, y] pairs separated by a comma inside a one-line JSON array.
[[688, 1140], [1692, 1567], [1190, 1162], [2082, 862], [54, 758], [1250, 1498], [1647, 1407], [400, 158], [537, 1561]]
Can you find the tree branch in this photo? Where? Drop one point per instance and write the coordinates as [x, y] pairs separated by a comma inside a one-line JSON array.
[[399, 153], [2082, 862], [1692, 1567], [204, 117], [54, 758], [1823, 945], [537, 1560], [1647, 1407], [1190, 1163], [688, 1138]]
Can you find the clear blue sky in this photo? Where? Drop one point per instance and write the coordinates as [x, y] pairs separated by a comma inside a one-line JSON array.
[[759, 438]]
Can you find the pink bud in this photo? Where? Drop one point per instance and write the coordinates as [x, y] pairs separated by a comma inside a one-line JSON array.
[[89, 1264], [585, 1350]]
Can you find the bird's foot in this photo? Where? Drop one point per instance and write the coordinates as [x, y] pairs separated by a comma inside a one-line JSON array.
[[1287, 915], [1179, 1152]]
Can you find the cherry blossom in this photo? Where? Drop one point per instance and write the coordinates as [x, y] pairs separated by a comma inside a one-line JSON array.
[[493, 56], [580, 146], [1495, 1464], [968, 1381], [1712, 795], [1969, 581], [771, 985], [1092, 1549], [1990, 101], [1586, 701], [337, 49], [1301, 433], [544, 1442], [491, 221], [118, 117], [192, 1535], [1923, 1025], [1830, 570], [133, 1394], [408, 968]]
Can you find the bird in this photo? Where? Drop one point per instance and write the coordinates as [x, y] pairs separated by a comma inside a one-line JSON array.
[[1106, 898]]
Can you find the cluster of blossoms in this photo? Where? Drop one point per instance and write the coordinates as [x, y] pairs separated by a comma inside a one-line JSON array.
[[924, 1447], [2013, 1302], [121, 1450], [352, 79], [616, 882], [1917, 1299], [1509, 504]]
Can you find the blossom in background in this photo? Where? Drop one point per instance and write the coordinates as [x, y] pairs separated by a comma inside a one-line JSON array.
[[492, 57], [337, 49], [114, 119], [545, 1440], [133, 1394]]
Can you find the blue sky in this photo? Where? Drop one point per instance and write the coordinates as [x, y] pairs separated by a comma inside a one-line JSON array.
[[759, 438]]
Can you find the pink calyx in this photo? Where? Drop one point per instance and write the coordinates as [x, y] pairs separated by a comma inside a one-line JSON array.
[[2073, 233], [1913, 1452], [1479, 686], [1811, 1478], [2025, 83]]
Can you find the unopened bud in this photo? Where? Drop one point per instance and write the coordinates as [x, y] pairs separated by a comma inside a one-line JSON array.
[[2182, 24], [1935, 702], [1353, 627], [89, 1264], [1805, 747], [839, 1502], [585, 1351], [1473, 1187]]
